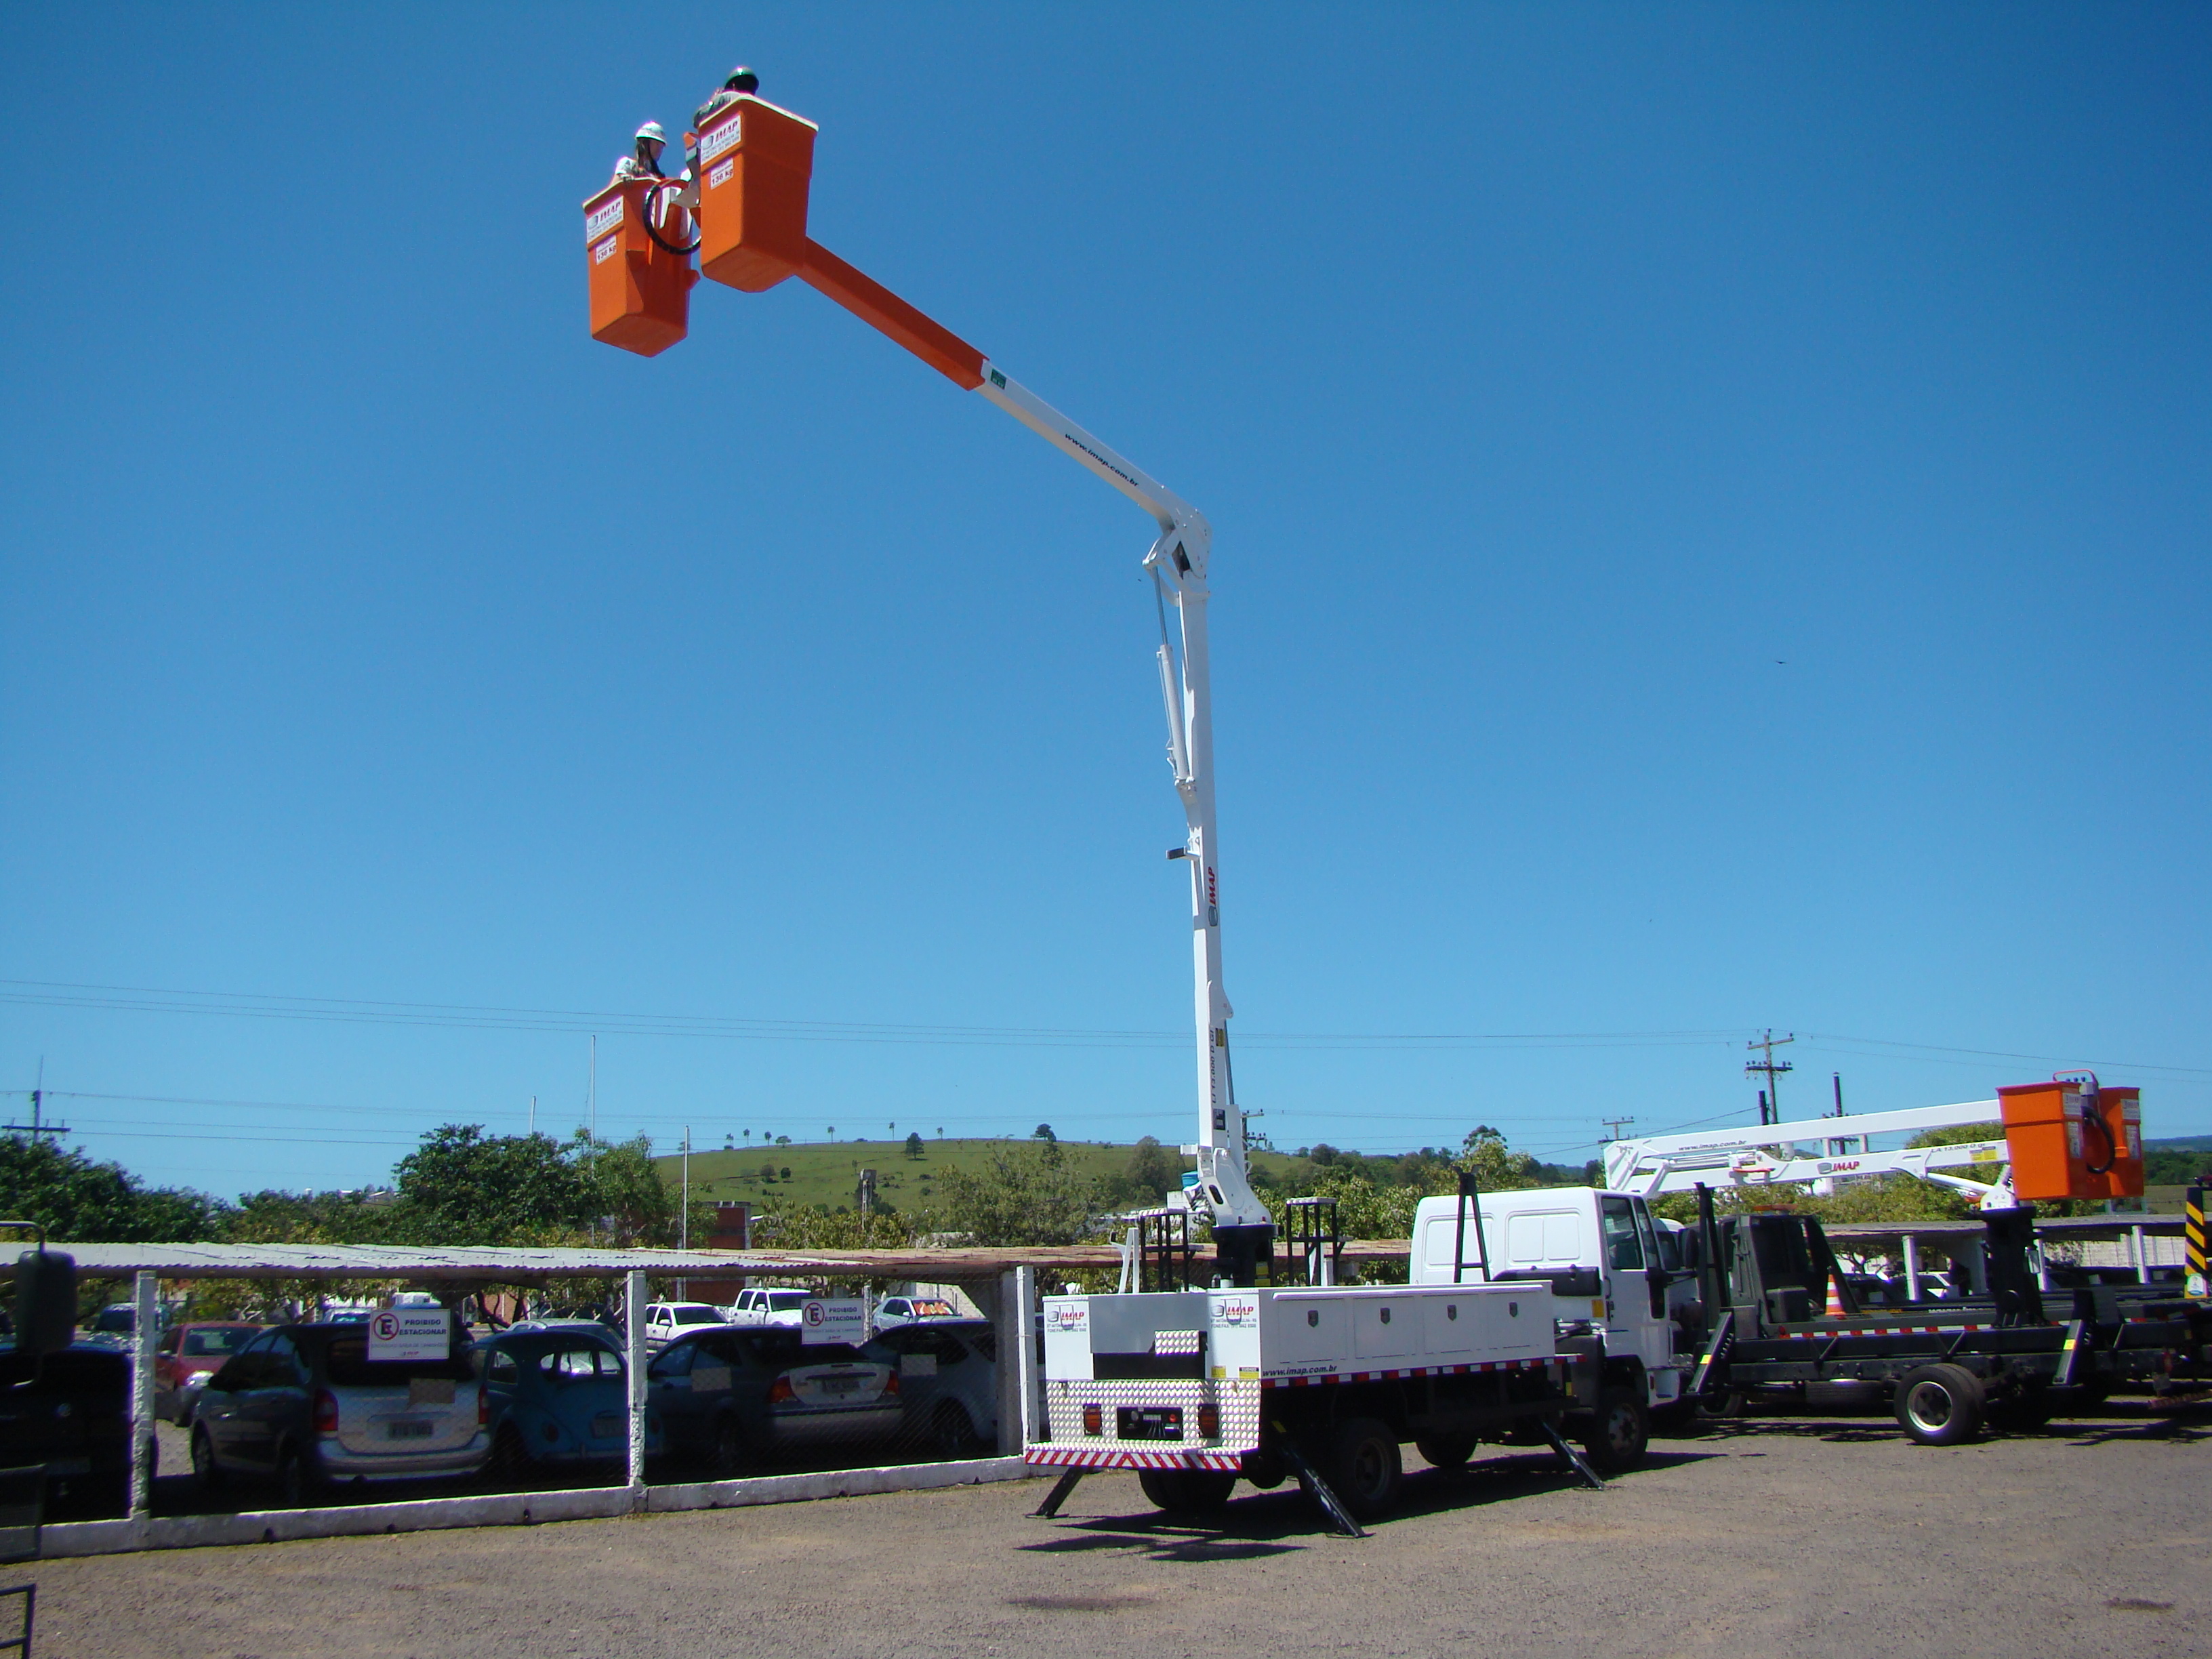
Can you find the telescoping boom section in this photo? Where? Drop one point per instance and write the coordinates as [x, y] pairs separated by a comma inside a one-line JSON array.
[[741, 207]]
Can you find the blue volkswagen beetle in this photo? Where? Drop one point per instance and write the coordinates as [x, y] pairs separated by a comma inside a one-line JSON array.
[[558, 1396]]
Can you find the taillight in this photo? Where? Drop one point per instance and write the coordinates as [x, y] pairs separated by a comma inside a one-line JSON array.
[[1209, 1422], [484, 1407], [1094, 1420], [891, 1383], [326, 1412], [780, 1391]]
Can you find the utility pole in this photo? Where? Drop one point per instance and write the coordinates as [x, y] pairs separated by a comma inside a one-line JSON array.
[[1614, 1126], [1772, 1069], [592, 1087], [534, 1114], [683, 1224], [38, 1125], [1838, 1079]]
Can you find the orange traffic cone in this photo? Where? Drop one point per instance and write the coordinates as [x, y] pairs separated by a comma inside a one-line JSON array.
[[1835, 1297]]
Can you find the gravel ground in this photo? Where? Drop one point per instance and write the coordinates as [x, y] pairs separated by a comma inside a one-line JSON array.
[[1807, 1535]]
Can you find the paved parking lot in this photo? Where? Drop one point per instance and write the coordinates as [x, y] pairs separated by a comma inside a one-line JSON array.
[[1801, 1537]]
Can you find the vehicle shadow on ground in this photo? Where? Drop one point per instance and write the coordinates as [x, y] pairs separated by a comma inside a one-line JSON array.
[[1282, 1520]]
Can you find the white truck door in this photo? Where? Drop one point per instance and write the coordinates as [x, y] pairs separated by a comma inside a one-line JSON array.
[[1632, 1283]]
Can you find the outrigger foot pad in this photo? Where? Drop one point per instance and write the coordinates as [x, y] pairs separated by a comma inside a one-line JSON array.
[[1057, 1495], [1575, 1458]]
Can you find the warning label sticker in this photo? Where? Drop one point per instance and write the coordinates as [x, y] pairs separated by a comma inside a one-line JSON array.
[[601, 219], [717, 177], [728, 135]]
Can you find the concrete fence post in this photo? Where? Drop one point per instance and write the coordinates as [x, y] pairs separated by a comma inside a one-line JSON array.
[[1911, 1268], [146, 1318], [633, 1296]]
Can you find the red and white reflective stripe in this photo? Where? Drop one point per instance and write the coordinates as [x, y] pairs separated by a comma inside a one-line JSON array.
[[1416, 1371], [1083, 1458]]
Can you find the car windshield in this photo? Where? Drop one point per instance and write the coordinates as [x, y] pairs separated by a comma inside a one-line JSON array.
[[214, 1340], [350, 1367], [698, 1317], [787, 1301]]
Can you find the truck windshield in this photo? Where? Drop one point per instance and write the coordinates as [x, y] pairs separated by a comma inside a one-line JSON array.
[[1622, 1250]]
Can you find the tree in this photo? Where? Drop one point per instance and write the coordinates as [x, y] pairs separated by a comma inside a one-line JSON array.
[[1025, 1195], [463, 1186], [783, 1140], [914, 1147], [1495, 1166], [784, 1174], [768, 1172], [73, 1197], [1042, 1132], [625, 1185], [1149, 1176]]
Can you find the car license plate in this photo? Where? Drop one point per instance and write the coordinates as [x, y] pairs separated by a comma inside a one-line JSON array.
[[409, 1430], [607, 1425], [1149, 1422], [839, 1384]]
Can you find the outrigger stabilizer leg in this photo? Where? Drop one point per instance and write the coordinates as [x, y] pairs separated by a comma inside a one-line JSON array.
[[1318, 1490], [1057, 1495], [1560, 1446]]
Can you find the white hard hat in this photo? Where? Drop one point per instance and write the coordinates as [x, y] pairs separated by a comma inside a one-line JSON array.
[[652, 129]]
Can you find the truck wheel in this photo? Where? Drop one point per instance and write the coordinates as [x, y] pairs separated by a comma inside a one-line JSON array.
[[1615, 1440], [1447, 1451], [1940, 1405], [951, 1435], [1364, 1467], [1187, 1491]]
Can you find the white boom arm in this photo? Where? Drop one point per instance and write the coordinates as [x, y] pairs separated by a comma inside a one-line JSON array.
[[1775, 1153], [1177, 562]]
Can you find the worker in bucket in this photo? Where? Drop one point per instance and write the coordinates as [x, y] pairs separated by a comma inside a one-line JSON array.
[[741, 82], [644, 161]]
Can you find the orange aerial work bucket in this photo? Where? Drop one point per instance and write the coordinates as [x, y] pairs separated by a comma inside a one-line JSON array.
[[2070, 1138], [641, 284], [755, 165]]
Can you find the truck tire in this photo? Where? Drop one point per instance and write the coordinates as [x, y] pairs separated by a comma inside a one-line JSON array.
[[1187, 1491], [1940, 1405], [1447, 1451], [1365, 1467], [1618, 1433]]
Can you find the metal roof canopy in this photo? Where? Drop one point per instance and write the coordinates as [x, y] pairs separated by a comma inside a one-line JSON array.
[[503, 1265], [515, 1264]]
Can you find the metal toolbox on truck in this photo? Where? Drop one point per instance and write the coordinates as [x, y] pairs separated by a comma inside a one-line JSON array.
[[1176, 1379]]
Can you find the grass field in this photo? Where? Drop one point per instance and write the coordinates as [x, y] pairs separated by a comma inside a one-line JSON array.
[[827, 1172]]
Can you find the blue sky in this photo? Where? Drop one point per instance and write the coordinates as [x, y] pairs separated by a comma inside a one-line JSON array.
[[1710, 513]]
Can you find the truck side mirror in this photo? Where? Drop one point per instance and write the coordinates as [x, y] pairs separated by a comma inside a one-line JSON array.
[[46, 1301]]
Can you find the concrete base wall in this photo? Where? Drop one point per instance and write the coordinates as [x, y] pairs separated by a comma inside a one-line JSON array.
[[508, 1508]]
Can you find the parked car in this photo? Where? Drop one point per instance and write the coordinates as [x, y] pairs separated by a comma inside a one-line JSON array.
[[69, 1411], [112, 1326], [558, 1395], [908, 1309], [730, 1398], [666, 1320], [305, 1404], [769, 1306], [188, 1355], [948, 1376]]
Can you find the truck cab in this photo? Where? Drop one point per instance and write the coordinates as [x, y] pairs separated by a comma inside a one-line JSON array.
[[1618, 1285]]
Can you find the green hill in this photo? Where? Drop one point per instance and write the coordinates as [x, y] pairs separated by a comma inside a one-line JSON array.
[[827, 1172]]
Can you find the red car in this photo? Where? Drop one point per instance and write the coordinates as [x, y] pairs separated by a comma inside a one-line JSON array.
[[187, 1356]]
